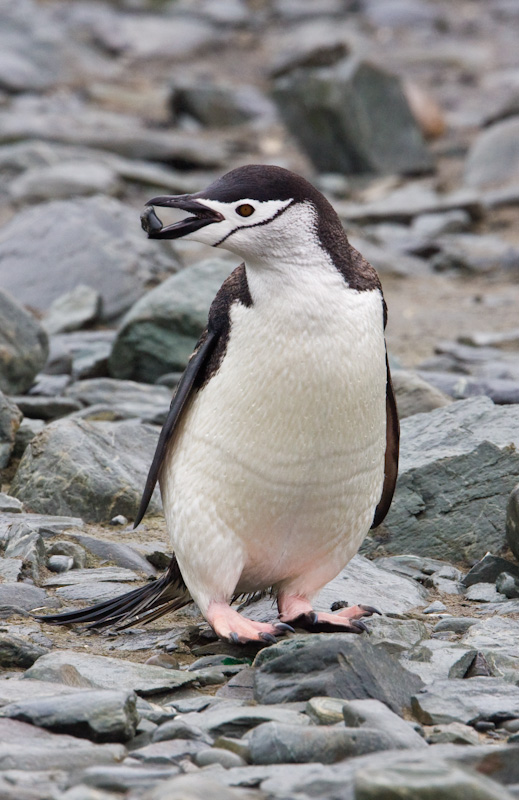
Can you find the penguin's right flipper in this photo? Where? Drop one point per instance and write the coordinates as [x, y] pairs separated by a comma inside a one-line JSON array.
[[198, 359]]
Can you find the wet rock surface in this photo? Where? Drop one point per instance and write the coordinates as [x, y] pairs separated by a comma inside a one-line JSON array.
[[405, 114]]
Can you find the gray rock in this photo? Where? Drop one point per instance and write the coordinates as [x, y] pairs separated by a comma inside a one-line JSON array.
[[479, 254], [337, 115], [396, 635], [375, 715], [415, 395], [122, 778], [10, 419], [25, 434], [77, 576], [484, 593], [435, 608], [488, 569], [466, 701], [23, 744], [455, 624], [389, 260], [129, 399], [512, 522], [25, 596], [102, 715], [82, 354], [430, 226], [217, 105], [10, 504], [338, 665], [127, 135], [71, 550], [46, 408], [109, 673], [501, 391], [456, 520], [15, 652], [122, 555], [410, 201], [496, 640], [170, 752], [494, 156], [60, 563], [453, 733], [273, 743], [325, 710], [73, 310], [25, 543], [180, 729], [234, 720], [195, 787], [61, 181], [508, 585], [93, 241], [94, 470], [23, 342], [437, 659], [90, 592], [159, 333], [217, 755], [421, 781]]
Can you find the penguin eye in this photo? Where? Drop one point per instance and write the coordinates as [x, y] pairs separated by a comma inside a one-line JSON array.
[[245, 210]]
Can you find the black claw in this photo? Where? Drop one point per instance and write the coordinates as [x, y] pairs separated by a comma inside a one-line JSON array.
[[371, 610], [313, 617], [282, 626], [234, 638], [267, 637], [360, 625]]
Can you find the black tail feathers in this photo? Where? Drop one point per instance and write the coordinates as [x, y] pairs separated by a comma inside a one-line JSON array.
[[137, 607]]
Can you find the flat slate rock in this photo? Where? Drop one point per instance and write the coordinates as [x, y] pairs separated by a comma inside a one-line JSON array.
[[95, 470], [76, 576], [123, 555], [233, 719], [24, 689], [25, 596], [467, 701], [457, 519], [333, 665], [110, 673], [22, 744], [100, 715]]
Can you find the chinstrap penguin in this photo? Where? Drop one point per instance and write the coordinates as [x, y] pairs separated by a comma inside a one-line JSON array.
[[280, 450]]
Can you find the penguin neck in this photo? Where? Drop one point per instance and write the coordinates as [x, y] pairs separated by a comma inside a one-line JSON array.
[[299, 281]]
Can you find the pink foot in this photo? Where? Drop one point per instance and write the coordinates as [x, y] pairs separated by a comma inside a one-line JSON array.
[[228, 624], [298, 611]]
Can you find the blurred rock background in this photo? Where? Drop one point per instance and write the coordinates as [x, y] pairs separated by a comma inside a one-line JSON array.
[[405, 113]]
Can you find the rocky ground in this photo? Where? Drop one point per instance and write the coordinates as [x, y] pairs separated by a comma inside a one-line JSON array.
[[406, 114]]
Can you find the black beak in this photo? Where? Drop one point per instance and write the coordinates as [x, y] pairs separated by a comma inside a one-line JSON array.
[[201, 216]]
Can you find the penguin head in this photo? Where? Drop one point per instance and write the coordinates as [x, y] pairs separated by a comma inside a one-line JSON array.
[[252, 211]]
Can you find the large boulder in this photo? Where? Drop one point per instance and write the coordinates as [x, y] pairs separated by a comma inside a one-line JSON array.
[[23, 343], [10, 419], [352, 118], [93, 470], [458, 466], [95, 241], [159, 333], [493, 159]]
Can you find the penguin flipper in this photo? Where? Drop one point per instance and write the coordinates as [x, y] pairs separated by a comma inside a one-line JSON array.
[[391, 457], [185, 387]]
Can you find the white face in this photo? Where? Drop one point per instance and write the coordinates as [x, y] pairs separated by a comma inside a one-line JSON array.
[[246, 222]]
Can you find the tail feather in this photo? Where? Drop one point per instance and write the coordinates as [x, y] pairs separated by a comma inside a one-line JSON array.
[[139, 606]]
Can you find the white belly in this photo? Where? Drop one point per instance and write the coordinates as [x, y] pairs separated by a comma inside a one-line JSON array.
[[278, 465]]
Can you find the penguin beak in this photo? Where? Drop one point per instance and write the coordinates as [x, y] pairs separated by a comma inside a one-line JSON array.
[[200, 216]]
